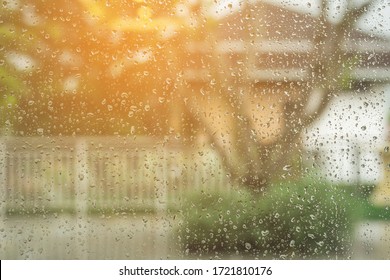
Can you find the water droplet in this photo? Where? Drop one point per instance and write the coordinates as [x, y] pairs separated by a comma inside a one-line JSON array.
[[287, 167], [248, 246], [363, 128]]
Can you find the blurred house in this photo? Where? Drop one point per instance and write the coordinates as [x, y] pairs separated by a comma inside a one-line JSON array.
[[264, 52], [132, 69]]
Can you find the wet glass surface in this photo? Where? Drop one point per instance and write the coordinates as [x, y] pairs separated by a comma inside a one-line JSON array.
[[194, 129]]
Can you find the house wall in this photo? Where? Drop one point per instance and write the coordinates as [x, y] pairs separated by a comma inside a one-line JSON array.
[[345, 144]]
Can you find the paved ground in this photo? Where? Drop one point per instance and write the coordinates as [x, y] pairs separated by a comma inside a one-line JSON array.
[[128, 237], [372, 240], [96, 238]]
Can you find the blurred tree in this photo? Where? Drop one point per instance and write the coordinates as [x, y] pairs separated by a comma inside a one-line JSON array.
[[35, 62], [92, 67], [95, 67], [256, 139]]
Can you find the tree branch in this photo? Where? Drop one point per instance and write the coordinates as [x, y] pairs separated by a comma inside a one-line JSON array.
[[354, 13], [226, 158], [325, 100]]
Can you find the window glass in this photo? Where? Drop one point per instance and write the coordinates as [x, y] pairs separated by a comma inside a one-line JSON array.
[[194, 129]]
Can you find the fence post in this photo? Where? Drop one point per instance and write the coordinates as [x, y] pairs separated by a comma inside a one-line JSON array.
[[3, 182], [81, 191], [161, 181], [3, 195], [160, 244]]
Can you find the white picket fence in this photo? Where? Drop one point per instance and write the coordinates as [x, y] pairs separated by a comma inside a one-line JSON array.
[[97, 197], [89, 174], [93, 193]]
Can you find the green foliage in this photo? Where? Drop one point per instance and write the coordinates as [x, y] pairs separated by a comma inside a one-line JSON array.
[[346, 75], [303, 219]]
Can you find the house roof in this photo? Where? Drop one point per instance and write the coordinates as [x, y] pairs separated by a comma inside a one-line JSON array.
[[281, 41], [276, 23]]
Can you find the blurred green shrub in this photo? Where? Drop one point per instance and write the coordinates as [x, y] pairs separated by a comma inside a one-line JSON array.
[[302, 219]]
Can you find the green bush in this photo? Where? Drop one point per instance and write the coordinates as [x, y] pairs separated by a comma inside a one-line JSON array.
[[303, 219]]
